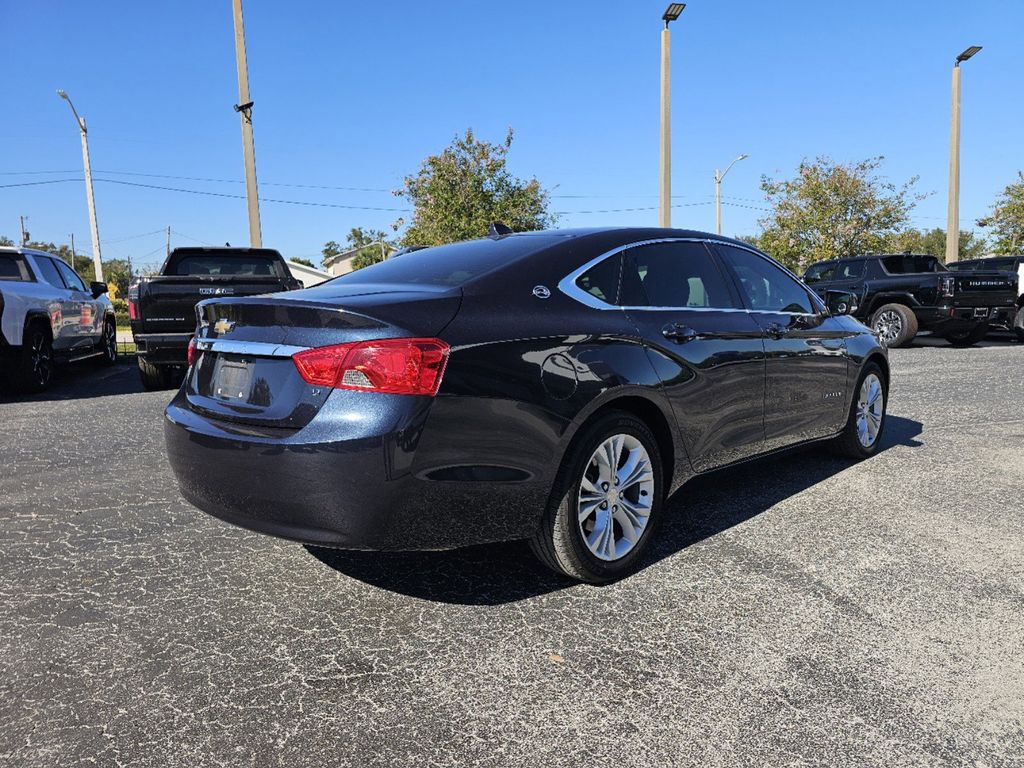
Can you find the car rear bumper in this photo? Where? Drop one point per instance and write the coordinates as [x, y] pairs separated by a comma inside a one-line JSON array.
[[343, 483], [163, 348]]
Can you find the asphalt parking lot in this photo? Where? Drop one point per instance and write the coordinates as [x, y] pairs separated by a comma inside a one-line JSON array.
[[798, 611]]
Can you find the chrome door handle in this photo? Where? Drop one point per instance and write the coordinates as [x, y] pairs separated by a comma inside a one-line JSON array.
[[679, 333], [777, 330]]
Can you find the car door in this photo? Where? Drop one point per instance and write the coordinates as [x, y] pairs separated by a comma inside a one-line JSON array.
[[707, 350], [805, 350], [90, 310], [63, 308]]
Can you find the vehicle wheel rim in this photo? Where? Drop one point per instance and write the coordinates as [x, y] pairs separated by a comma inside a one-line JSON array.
[[110, 342], [42, 363], [870, 410], [615, 497], [888, 326]]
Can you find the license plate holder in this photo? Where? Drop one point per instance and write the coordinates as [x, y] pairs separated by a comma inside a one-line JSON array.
[[232, 380], [981, 311]]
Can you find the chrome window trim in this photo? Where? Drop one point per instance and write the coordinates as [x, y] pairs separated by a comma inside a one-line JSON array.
[[254, 348], [568, 286]]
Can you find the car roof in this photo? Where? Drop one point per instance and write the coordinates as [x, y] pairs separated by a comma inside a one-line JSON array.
[[20, 249]]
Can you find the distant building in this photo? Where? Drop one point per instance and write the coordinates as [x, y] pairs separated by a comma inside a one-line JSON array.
[[341, 264], [308, 275]]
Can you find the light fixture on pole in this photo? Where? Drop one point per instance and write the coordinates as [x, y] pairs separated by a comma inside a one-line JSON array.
[[84, 132], [953, 211], [665, 206], [719, 175]]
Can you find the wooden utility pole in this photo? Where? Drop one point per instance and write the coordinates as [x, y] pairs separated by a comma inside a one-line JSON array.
[[244, 110], [168, 241], [24, 234], [73, 252]]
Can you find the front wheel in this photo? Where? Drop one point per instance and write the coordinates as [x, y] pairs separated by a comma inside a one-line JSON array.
[[605, 503], [863, 431], [968, 338], [108, 343], [895, 325]]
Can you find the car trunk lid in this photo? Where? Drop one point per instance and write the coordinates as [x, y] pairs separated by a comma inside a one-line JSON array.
[[243, 369]]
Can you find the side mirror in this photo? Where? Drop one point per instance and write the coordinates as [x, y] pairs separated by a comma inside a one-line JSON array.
[[98, 289], [841, 302]]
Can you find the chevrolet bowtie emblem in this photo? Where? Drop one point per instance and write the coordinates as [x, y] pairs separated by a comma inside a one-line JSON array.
[[223, 326]]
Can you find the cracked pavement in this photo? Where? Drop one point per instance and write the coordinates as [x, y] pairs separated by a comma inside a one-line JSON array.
[[801, 610]]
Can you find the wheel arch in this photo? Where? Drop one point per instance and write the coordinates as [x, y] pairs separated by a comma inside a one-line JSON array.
[[37, 316]]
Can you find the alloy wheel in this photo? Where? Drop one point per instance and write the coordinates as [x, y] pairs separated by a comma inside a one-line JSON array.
[[42, 359], [870, 410], [888, 326], [110, 341], [615, 497]]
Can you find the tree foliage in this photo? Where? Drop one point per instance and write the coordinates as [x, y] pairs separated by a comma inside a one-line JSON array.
[[460, 192], [304, 262], [933, 242], [1007, 218], [830, 210]]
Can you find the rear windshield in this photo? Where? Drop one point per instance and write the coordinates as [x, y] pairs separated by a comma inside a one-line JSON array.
[[203, 264], [451, 265], [12, 267], [905, 265]]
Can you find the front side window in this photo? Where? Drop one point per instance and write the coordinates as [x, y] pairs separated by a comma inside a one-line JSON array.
[[673, 274], [819, 273], [74, 282], [765, 286], [49, 272]]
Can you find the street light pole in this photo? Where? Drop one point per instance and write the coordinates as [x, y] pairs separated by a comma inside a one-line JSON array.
[[84, 132], [244, 109], [953, 211], [718, 192], [665, 174]]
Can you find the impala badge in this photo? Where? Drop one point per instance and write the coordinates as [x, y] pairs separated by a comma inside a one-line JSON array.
[[223, 326]]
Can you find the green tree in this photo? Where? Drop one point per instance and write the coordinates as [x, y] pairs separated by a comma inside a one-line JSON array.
[[459, 193], [373, 245], [304, 262], [330, 250], [5, 241], [933, 242], [830, 210], [1007, 218]]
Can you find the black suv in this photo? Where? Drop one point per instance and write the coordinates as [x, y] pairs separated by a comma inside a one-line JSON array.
[[1011, 264], [901, 294]]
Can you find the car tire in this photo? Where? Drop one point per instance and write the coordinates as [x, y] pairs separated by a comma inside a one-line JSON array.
[[155, 377], [968, 338], [33, 368], [857, 439], [1018, 324], [611, 550], [894, 324], [108, 343]]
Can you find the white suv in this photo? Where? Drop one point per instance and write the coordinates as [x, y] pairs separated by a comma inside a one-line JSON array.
[[47, 313]]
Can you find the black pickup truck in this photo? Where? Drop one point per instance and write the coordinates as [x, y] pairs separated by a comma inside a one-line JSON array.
[[900, 294], [1012, 264], [162, 307]]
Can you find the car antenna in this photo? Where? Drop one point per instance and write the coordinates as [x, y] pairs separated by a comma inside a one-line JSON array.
[[498, 229]]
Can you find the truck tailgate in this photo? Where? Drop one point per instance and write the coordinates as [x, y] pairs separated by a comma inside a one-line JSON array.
[[167, 303], [984, 289]]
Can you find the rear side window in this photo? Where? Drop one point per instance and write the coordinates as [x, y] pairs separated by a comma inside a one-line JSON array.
[[13, 267], [680, 274], [602, 280], [819, 273], [222, 266], [906, 265], [49, 272]]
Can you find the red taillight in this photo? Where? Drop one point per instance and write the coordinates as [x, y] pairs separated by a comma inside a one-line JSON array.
[[133, 310], [395, 366], [192, 352]]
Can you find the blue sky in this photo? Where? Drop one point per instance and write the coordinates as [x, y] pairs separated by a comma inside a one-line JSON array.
[[355, 94]]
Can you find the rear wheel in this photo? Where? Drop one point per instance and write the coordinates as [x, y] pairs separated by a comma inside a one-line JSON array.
[[155, 377], [605, 503], [863, 430], [34, 366], [895, 324], [968, 338]]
